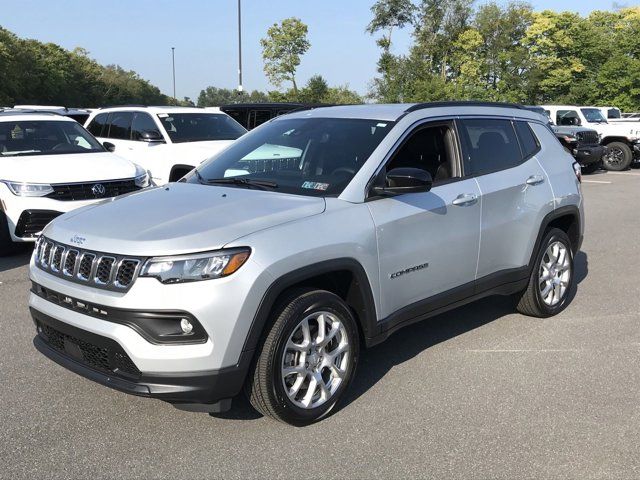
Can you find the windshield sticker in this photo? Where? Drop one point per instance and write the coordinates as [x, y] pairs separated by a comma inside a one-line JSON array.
[[163, 115], [315, 185], [381, 125]]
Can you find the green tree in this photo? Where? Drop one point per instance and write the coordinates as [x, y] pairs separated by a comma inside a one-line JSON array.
[[315, 91], [214, 97], [281, 51]]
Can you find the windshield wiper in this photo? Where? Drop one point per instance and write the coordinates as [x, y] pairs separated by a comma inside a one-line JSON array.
[[249, 182]]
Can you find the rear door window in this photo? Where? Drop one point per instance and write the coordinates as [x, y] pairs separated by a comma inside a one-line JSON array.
[[490, 145], [120, 125]]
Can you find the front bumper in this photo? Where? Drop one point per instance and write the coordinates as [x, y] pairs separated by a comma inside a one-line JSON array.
[[588, 155], [102, 360]]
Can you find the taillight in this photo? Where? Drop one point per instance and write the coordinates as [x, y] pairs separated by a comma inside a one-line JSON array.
[[577, 169]]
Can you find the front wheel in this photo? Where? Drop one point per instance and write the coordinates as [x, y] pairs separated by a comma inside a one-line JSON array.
[[551, 278], [307, 360], [618, 157]]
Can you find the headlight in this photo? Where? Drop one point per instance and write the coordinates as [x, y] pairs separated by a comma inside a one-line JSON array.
[[191, 268], [142, 178], [29, 189], [569, 138]]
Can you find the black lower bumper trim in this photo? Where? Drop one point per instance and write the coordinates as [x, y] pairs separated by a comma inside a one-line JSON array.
[[189, 388], [590, 155]]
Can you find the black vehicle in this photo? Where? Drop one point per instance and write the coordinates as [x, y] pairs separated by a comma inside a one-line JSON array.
[[583, 143], [251, 115]]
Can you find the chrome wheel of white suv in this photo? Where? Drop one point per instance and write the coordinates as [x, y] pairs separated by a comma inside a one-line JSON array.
[[315, 360]]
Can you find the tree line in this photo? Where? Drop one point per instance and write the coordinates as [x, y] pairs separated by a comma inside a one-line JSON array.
[[32, 72], [498, 52], [507, 53]]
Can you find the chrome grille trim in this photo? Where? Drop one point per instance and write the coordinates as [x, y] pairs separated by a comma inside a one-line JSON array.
[[87, 267], [57, 255], [103, 260], [65, 268]]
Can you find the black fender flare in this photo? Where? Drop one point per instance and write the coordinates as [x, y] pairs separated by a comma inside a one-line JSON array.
[[564, 211], [366, 315]]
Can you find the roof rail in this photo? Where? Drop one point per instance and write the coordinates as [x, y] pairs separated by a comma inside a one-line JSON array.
[[462, 103], [20, 111], [126, 105]]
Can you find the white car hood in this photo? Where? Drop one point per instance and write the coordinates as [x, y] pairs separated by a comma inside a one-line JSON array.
[[630, 129], [66, 168], [179, 218]]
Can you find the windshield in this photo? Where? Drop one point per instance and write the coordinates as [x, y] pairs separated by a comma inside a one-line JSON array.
[[45, 137], [593, 115], [200, 127], [305, 156]]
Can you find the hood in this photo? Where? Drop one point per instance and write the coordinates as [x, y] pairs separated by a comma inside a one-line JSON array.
[[66, 168], [617, 129], [179, 218]]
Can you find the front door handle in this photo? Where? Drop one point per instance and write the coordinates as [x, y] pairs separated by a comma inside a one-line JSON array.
[[535, 180], [465, 199]]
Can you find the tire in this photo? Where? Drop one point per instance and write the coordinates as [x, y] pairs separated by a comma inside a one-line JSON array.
[[618, 158], [7, 246], [283, 396], [591, 168], [533, 301]]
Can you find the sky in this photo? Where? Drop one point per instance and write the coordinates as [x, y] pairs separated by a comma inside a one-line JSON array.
[[138, 35]]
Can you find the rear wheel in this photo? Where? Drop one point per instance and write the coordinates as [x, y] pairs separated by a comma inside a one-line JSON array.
[[618, 158], [551, 279], [307, 360]]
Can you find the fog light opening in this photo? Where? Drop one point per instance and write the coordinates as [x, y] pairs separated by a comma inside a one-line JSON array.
[[186, 326]]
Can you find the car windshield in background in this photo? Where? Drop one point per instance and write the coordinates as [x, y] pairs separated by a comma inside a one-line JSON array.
[[305, 156], [200, 127], [45, 137], [593, 115]]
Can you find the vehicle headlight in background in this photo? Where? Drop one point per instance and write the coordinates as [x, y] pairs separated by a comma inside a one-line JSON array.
[[142, 178], [29, 189], [192, 268], [569, 138]]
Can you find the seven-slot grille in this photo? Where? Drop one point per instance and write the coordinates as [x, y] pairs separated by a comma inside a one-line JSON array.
[[588, 138], [100, 270]]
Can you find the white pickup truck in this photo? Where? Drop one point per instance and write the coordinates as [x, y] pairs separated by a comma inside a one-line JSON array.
[[622, 139]]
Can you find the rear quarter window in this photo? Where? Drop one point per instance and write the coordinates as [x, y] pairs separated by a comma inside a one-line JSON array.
[[528, 141], [96, 127]]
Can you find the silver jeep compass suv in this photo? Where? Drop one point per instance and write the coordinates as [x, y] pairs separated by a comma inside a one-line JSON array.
[[271, 264]]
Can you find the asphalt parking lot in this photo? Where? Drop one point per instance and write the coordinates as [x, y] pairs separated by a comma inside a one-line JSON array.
[[480, 392]]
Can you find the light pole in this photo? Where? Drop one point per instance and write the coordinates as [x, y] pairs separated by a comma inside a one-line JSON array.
[[173, 62], [239, 48]]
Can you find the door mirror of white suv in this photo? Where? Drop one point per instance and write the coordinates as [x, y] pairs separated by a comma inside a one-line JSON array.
[[109, 146], [405, 180], [151, 136]]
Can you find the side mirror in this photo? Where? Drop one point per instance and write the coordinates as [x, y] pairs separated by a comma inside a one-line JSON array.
[[109, 146], [405, 180], [151, 136]]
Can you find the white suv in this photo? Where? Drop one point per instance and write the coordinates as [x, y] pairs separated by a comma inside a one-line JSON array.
[[622, 139], [318, 232], [167, 141], [49, 164]]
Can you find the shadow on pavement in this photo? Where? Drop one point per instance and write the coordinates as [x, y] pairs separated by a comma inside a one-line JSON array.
[[17, 259]]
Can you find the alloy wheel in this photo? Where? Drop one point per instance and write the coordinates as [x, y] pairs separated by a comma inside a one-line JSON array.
[[554, 274], [315, 360]]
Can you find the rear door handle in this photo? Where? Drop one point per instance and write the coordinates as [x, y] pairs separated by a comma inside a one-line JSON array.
[[465, 199], [535, 180]]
